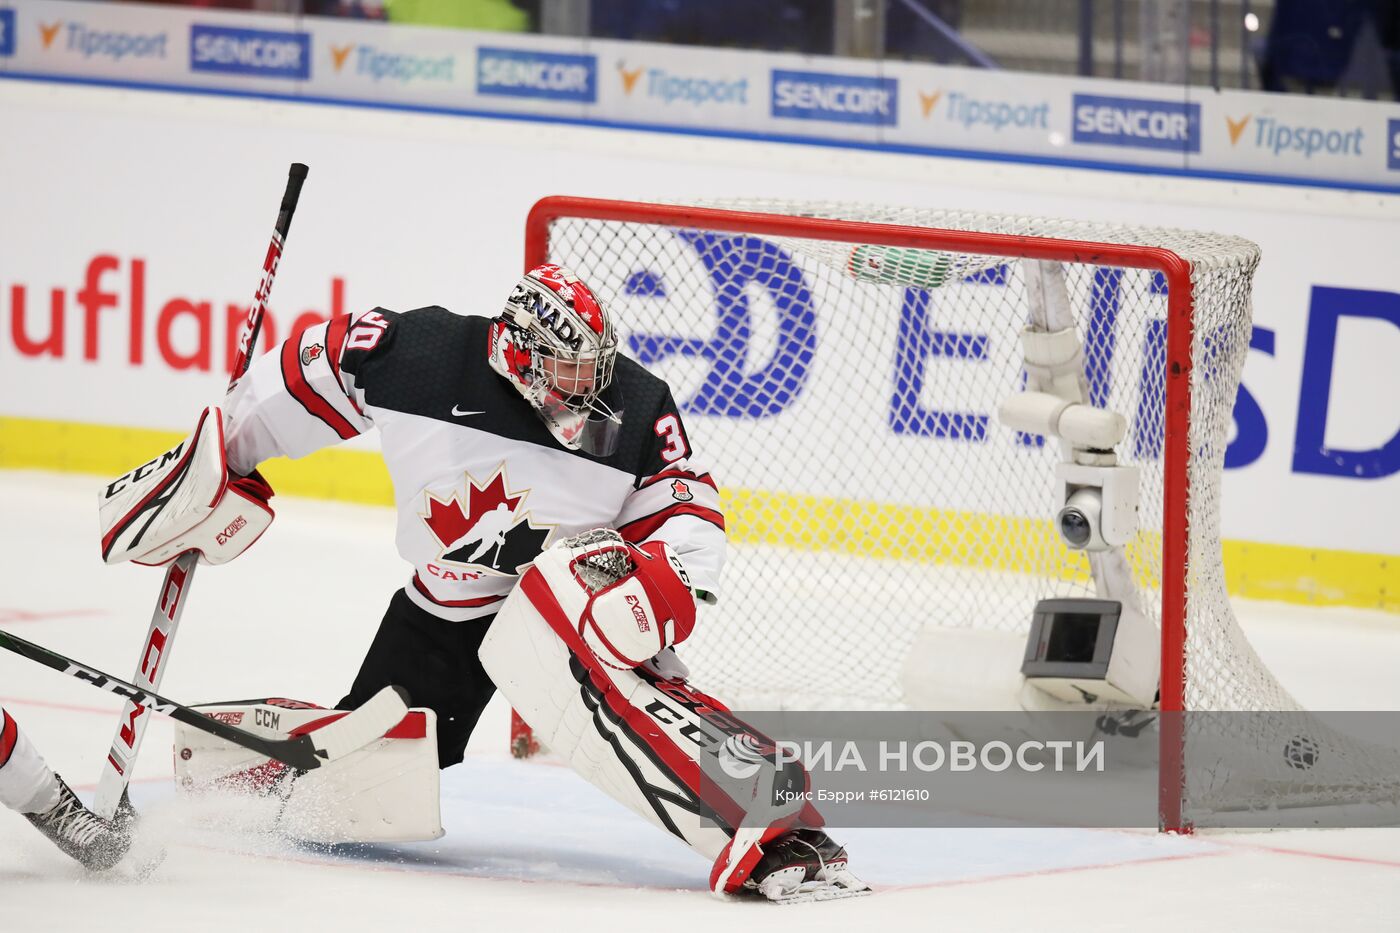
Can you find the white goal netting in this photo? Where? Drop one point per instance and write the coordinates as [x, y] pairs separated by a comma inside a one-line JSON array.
[[844, 395]]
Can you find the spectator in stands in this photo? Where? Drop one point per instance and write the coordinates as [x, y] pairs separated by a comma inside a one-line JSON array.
[[1321, 46]]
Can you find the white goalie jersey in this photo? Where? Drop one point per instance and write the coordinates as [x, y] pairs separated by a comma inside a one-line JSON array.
[[480, 485]]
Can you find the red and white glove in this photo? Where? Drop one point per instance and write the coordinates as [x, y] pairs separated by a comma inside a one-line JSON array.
[[184, 500], [629, 622]]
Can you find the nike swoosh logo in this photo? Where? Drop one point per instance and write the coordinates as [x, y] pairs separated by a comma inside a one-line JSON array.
[[463, 414]]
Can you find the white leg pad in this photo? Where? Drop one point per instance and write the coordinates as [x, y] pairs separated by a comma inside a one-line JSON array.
[[637, 739], [387, 791], [26, 783]]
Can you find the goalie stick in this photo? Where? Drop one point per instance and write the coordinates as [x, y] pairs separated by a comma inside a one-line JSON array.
[[352, 731], [160, 634]]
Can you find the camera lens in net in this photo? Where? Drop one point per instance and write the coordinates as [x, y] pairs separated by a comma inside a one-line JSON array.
[[1075, 527]]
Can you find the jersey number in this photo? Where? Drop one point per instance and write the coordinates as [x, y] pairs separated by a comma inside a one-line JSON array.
[[668, 427], [366, 332]]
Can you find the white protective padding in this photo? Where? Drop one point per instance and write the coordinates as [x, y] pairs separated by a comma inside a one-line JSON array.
[[387, 791], [632, 619], [621, 631], [181, 501], [26, 783], [579, 721]]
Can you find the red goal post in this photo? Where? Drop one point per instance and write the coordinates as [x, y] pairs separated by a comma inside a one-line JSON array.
[[1176, 272]]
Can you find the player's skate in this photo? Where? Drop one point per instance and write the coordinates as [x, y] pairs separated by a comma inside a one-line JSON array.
[[97, 843], [798, 867]]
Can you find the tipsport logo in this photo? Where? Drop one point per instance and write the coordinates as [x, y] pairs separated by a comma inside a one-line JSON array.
[[255, 52], [670, 87], [113, 44], [546, 75], [1137, 124], [1392, 147], [7, 33], [1276, 138], [994, 114], [812, 95], [378, 65]]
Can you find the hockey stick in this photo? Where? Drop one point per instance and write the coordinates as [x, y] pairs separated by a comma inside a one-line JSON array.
[[352, 731], [180, 575]]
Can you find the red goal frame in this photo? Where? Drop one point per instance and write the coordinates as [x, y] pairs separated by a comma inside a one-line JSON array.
[[1177, 418]]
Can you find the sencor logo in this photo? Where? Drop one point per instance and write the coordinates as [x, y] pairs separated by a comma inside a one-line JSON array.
[[997, 114], [550, 75], [394, 66], [1277, 138], [1392, 149], [670, 88], [1141, 124], [7, 32], [260, 52], [810, 95]]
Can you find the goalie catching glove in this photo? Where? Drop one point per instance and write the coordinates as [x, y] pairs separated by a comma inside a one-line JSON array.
[[638, 614], [184, 500]]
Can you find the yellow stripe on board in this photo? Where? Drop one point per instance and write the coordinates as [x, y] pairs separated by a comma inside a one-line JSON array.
[[900, 532], [1313, 576], [1252, 569], [346, 475]]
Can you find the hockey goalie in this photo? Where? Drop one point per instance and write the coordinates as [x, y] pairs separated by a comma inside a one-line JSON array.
[[583, 649], [510, 440]]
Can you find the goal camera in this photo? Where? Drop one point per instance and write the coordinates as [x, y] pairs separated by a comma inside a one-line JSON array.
[[1098, 506]]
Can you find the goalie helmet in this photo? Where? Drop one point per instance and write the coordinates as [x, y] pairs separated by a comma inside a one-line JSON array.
[[554, 342]]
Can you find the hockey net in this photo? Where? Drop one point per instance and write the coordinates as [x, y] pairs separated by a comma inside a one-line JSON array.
[[840, 368]]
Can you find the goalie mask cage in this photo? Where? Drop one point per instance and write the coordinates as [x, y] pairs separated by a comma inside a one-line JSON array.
[[839, 368]]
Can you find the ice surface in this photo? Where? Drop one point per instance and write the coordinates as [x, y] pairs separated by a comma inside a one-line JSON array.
[[530, 846]]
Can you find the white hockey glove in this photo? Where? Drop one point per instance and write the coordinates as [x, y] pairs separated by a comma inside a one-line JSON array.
[[650, 608], [184, 500]]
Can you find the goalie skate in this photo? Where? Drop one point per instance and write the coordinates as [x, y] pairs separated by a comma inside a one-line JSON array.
[[804, 866], [96, 843]]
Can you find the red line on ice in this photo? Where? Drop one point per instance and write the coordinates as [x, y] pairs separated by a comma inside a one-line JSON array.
[[66, 707], [11, 616], [1040, 872], [1304, 853]]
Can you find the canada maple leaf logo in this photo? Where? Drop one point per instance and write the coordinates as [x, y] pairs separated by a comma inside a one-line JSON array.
[[311, 354], [449, 521], [479, 526]]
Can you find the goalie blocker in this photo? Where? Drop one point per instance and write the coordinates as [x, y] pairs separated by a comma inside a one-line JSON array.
[[574, 648], [184, 500]]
